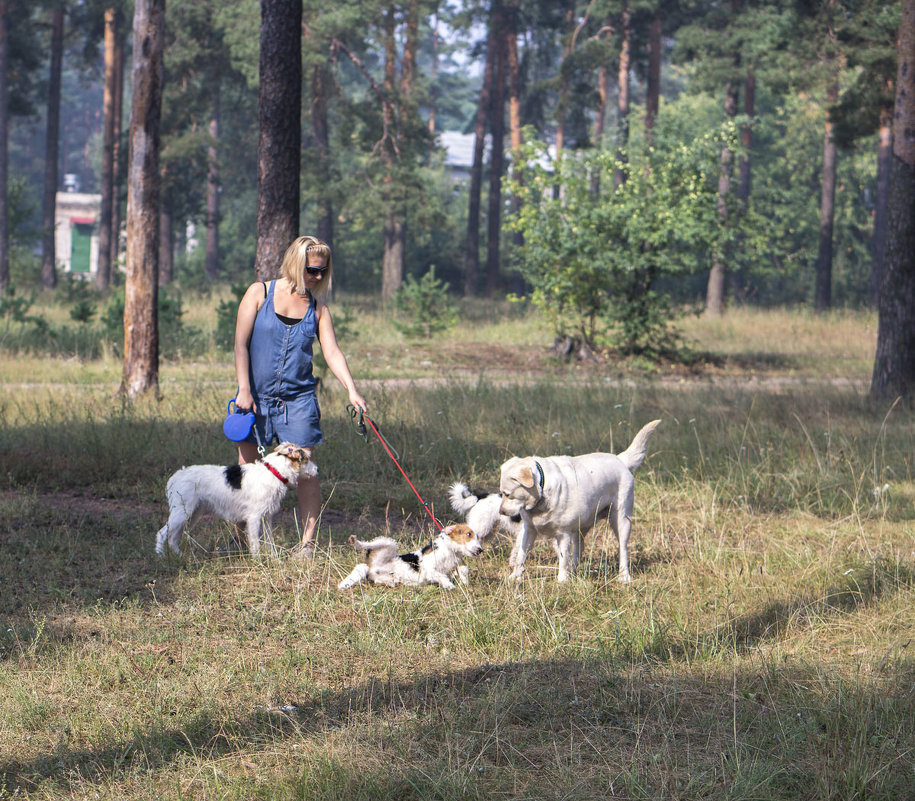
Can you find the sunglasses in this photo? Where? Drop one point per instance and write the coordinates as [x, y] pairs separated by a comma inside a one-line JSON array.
[[316, 272]]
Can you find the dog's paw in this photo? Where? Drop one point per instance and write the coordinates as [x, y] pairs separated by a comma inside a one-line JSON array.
[[624, 578]]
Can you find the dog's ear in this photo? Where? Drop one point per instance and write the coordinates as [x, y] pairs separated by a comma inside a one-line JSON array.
[[526, 477], [459, 532], [518, 471]]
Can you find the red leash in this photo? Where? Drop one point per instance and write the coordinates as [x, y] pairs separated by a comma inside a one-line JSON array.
[[360, 426]]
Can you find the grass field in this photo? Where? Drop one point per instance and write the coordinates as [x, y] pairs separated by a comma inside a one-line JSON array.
[[765, 649]]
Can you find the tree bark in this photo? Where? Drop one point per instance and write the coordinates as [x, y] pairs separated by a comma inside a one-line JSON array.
[[119, 58], [51, 152], [4, 151], [280, 133], [822, 298], [622, 100], [211, 259], [894, 364], [653, 83], [103, 275], [562, 99], [433, 88], [514, 123], [141, 333], [321, 132], [393, 256], [714, 297], [881, 208], [497, 160], [472, 244], [744, 170]]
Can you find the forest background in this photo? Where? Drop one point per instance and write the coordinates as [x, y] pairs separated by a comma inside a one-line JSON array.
[[753, 138]]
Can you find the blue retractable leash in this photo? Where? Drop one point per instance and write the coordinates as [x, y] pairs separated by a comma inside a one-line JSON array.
[[359, 419], [238, 424]]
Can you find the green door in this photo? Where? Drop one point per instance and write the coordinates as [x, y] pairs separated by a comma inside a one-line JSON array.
[[80, 247]]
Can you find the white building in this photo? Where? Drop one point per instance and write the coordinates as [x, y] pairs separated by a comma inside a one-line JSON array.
[[76, 232]]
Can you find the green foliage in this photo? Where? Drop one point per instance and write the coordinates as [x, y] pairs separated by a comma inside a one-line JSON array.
[[14, 310], [593, 253], [175, 338], [226, 314], [426, 306], [83, 311]]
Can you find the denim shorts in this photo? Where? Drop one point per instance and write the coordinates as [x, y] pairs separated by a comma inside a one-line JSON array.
[[297, 420]]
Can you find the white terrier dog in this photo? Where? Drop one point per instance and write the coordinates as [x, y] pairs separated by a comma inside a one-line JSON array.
[[432, 564], [247, 493], [480, 510]]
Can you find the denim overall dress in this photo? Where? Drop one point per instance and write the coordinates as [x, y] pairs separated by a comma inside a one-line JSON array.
[[282, 381]]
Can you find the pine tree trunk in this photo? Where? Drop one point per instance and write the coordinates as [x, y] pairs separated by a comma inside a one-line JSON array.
[[103, 276], [653, 83], [894, 364], [141, 333], [4, 151], [562, 98], [119, 59], [392, 258], [472, 244], [514, 125], [714, 296], [496, 161], [211, 260], [622, 100], [433, 85], [881, 208], [744, 171], [822, 298], [320, 130], [280, 133], [51, 152]]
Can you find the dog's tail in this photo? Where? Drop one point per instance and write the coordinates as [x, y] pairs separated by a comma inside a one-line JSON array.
[[462, 499], [377, 544], [634, 455]]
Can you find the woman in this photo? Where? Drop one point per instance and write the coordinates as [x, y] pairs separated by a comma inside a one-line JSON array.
[[277, 323]]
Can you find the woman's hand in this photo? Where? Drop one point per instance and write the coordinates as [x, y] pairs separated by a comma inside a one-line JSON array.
[[244, 400], [358, 401]]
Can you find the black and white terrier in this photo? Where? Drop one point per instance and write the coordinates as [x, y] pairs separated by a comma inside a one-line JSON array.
[[432, 564], [247, 493], [480, 510]]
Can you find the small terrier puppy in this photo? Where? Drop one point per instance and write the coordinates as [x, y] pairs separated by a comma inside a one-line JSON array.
[[247, 493], [432, 564]]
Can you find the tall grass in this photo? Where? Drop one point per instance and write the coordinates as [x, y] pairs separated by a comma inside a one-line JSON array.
[[762, 651]]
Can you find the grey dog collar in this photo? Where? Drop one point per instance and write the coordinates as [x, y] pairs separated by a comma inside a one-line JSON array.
[[539, 474]]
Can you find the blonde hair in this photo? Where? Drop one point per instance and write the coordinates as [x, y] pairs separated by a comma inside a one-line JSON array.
[[296, 258]]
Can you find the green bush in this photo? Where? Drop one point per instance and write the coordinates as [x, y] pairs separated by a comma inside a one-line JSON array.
[[594, 252], [425, 305]]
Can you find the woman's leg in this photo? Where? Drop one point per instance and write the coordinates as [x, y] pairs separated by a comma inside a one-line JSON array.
[[247, 452], [309, 496]]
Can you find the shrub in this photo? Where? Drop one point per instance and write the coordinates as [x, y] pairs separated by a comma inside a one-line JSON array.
[[426, 305]]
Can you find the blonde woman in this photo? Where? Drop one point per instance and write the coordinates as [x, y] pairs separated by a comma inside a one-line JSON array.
[[277, 324]]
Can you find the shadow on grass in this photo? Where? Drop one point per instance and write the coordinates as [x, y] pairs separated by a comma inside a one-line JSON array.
[[860, 588], [539, 725]]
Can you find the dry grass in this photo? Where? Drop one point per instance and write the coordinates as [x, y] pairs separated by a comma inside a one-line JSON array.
[[763, 651]]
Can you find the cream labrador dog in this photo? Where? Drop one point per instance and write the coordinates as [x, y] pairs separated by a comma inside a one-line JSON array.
[[562, 497]]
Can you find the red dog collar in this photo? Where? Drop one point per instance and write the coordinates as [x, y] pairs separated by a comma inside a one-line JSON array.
[[275, 472]]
